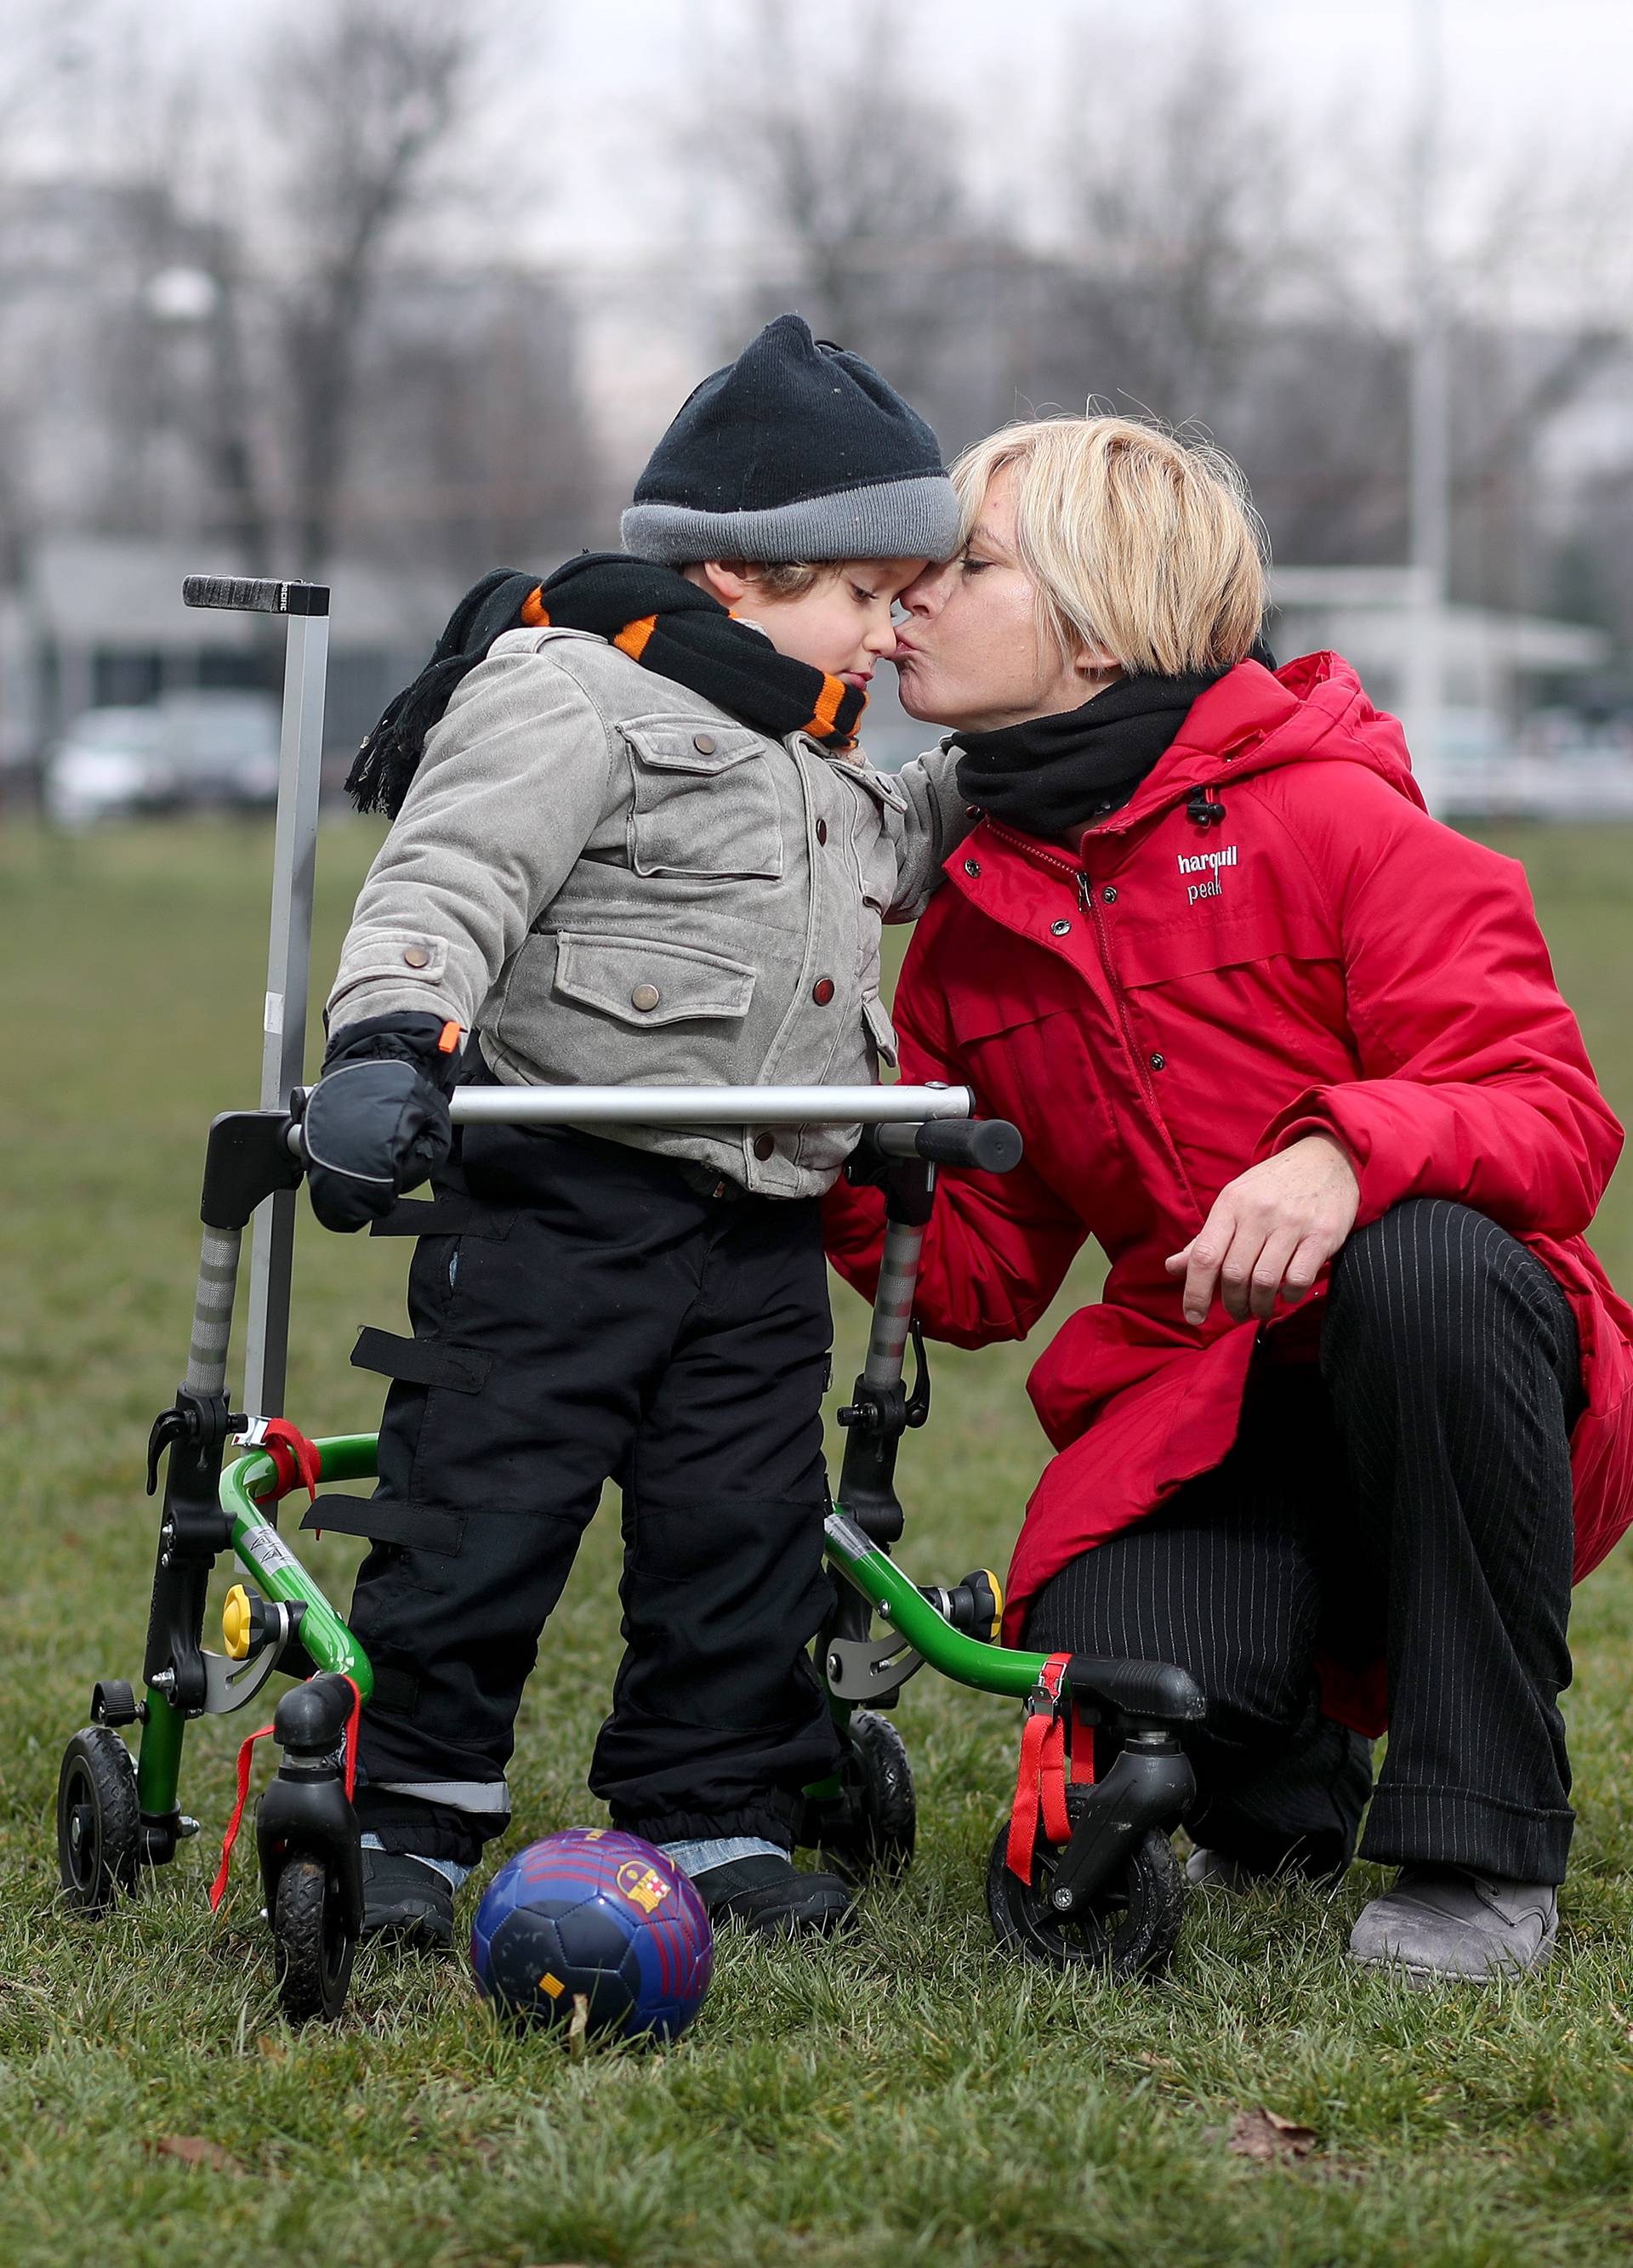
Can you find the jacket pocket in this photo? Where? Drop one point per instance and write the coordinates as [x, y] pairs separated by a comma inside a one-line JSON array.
[[705, 802], [642, 984]]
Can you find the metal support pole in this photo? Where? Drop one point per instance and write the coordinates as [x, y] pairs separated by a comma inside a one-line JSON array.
[[289, 952], [1424, 702]]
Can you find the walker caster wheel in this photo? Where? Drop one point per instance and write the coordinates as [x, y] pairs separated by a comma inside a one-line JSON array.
[[313, 1946], [869, 1830], [1130, 1930], [98, 1824]]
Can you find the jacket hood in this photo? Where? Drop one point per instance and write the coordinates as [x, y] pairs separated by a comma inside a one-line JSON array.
[[1255, 721]]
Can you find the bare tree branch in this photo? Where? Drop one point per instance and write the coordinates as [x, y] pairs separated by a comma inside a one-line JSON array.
[[362, 101]]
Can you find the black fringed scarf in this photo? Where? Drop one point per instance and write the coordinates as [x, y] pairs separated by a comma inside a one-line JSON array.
[[1052, 774], [654, 615]]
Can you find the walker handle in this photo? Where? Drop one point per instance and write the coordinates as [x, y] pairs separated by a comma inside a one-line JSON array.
[[986, 1146], [249, 594]]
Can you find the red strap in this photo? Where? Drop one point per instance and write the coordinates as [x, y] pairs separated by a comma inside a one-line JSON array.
[[353, 1723], [298, 1462], [1040, 1785], [217, 1888], [1083, 1751]]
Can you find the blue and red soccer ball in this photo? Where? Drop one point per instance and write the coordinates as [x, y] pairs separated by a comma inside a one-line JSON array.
[[596, 1915]]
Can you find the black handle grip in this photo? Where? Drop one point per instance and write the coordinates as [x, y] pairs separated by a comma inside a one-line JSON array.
[[247, 594], [989, 1146]]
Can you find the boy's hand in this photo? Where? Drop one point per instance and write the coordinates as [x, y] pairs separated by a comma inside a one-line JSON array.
[[1271, 1232], [377, 1122]]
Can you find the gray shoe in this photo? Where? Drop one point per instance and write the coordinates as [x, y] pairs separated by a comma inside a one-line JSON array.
[[1445, 1921], [1217, 1870]]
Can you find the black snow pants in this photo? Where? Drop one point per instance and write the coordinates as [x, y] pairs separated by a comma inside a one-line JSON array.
[[1412, 1497], [583, 1311]]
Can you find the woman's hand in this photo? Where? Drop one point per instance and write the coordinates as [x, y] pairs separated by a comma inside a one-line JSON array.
[[1271, 1232]]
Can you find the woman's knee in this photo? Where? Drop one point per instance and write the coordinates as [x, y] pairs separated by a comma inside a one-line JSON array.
[[1241, 1622], [1412, 1278]]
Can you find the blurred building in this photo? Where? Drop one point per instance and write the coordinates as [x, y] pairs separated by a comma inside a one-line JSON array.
[[99, 621]]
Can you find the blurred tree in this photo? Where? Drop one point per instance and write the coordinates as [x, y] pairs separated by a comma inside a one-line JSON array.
[[857, 178], [360, 99], [272, 308]]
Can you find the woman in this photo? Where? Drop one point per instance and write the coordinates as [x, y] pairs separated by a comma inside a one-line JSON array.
[[1352, 1410]]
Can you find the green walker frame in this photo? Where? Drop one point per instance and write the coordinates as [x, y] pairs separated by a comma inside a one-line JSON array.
[[1109, 1895]]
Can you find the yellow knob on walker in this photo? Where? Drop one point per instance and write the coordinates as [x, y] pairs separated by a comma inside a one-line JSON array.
[[997, 1621], [235, 1623]]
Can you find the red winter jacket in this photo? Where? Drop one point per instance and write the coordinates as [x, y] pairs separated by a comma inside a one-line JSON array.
[[1191, 998]]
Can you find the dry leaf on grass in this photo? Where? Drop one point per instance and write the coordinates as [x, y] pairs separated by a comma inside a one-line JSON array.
[[578, 2030], [1268, 2137], [196, 2150]]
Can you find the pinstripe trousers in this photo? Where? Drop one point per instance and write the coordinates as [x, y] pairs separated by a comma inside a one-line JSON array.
[[1410, 1498]]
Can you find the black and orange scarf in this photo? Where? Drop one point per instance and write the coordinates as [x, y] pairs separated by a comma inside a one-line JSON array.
[[651, 613]]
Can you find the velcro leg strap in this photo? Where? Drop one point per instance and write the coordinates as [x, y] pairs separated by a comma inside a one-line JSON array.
[[296, 1459], [353, 1726], [421, 1362], [451, 1213], [1040, 1785], [217, 1888], [415, 1526], [1082, 1749]]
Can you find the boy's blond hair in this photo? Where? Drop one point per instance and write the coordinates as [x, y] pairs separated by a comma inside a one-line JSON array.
[[1138, 540]]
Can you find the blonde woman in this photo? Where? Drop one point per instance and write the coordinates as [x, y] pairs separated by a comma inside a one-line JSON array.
[[1353, 1407]]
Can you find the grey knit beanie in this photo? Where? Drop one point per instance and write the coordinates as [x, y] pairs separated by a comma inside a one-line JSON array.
[[796, 451]]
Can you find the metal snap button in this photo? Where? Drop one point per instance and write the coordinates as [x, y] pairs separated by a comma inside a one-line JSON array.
[[644, 996], [1159, 1062], [703, 743], [763, 1145], [416, 956], [1108, 897], [1060, 929], [972, 865], [822, 990], [822, 831]]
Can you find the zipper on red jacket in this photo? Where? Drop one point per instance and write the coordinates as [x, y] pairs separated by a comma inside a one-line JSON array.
[[1078, 874], [1091, 906], [1091, 903]]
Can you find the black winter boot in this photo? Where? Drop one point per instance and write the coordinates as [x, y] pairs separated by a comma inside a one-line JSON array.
[[772, 1897], [407, 1899]]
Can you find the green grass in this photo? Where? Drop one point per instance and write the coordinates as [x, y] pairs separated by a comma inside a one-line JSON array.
[[908, 2094]]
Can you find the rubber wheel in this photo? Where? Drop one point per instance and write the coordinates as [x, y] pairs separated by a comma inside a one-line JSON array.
[[98, 1824], [314, 1948], [870, 1831], [1130, 1931]]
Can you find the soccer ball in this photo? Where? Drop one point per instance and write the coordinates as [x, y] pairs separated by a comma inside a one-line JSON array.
[[596, 1917]]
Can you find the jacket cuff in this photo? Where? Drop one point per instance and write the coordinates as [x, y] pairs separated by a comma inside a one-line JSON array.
[[1320, 1110], [362, 1003]]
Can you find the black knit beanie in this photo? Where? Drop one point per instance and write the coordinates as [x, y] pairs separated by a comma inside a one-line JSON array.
[[797, 451]]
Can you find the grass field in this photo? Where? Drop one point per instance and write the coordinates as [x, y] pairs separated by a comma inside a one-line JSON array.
[[907, 2094]]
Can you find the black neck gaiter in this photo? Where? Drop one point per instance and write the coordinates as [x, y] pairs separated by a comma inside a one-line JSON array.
[[1054, 773], [651, 613]]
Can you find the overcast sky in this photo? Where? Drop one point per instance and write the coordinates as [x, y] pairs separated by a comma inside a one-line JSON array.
[[1548, 73]]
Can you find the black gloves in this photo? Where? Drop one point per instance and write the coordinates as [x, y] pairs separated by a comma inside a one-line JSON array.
[[376, 1121]]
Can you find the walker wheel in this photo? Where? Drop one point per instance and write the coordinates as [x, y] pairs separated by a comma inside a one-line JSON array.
[[314, 1948], [869, 1831], [98, 1824], [1130, 1931]]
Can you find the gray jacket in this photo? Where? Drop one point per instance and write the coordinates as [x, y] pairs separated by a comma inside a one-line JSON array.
[[615, 882]]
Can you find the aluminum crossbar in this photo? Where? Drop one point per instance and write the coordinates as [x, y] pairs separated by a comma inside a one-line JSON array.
[[708, 1106]]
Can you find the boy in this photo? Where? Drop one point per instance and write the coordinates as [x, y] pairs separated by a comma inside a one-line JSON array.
[[640, 848]]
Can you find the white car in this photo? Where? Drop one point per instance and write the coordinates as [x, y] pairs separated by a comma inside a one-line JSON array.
[[184, 751]]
